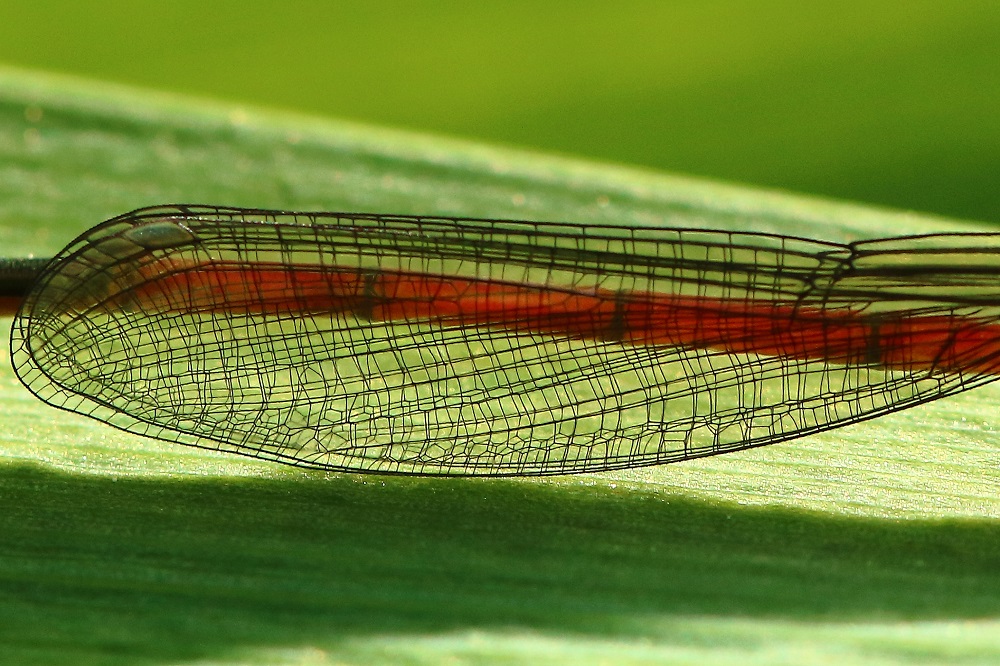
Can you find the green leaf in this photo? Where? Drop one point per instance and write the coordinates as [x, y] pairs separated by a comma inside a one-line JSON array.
[[874, 544]]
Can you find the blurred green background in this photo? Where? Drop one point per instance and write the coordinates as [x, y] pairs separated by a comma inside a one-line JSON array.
[[892, 102], [866, 545]]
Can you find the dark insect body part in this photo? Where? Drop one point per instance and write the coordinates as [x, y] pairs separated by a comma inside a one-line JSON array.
[[424, 345]]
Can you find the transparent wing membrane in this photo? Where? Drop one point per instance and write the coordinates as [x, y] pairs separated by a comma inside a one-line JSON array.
[[398, 344]]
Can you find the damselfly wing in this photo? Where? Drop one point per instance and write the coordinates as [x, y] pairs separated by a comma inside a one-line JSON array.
[[429, 345]]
